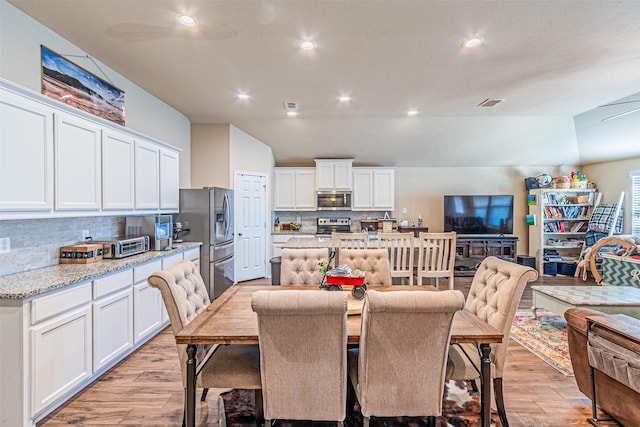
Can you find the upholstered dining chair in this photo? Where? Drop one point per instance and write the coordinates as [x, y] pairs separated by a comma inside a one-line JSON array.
[[436, 257], [350, 240], [234, 366], [494, 296], [299, 267], [401, 252], [303, 351], [399, 366], [373, 262]]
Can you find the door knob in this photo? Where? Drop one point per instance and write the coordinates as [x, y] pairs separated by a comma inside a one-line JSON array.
[[239, 234]]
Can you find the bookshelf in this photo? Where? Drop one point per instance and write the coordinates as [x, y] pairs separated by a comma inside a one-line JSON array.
[[558, 219]]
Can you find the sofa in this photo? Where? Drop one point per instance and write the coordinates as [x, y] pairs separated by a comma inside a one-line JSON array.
[[616, 359]]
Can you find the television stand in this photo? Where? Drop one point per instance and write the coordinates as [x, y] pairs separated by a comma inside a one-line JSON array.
[[472, 249]]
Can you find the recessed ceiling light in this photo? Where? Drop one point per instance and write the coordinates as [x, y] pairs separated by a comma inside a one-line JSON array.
[[243, 96], [412, 113], [308, 45], [187, 20], [292, 113], [344, 98], [473, 42]]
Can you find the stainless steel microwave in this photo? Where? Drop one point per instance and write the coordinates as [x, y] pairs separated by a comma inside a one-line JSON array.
[[334, 201]]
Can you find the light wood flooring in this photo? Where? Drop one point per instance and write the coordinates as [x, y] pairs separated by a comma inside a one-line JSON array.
[[145, 388]]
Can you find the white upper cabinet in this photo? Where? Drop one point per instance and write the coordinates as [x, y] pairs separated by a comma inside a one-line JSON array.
[[117, 171], [147, 175], [26, 154], [373, 189], [169, 180], [294, 189], [78, 168], [333, 174]]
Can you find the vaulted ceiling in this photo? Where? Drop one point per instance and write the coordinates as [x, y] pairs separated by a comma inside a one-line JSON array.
[[561, 67]]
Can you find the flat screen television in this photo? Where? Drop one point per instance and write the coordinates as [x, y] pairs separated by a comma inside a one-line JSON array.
[[488, 214]]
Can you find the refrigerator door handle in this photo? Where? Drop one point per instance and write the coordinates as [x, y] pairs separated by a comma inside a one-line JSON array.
[[227, 214]]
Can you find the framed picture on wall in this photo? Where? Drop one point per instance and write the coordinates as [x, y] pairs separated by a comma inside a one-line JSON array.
[[67, 82]]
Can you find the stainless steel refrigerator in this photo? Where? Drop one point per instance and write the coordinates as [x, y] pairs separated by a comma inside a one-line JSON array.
[[208, 215]]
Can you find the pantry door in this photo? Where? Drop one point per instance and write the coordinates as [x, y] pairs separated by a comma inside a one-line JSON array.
[[250, 225]]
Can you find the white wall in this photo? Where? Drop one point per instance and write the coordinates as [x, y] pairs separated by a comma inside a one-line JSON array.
[[613, 177], [210, 156], [247, 154], [21, 37]]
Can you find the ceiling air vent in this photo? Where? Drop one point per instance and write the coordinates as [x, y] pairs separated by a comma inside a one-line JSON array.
[[288, 105], [490, 102]]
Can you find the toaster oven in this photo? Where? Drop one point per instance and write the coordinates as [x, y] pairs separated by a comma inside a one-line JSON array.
[[114, 249]]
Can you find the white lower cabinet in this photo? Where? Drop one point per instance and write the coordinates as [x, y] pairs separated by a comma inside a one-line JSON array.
[[112, 327], [148, 307], [61, 351]]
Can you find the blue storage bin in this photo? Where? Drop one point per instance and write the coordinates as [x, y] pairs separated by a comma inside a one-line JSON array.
[[550, 268]]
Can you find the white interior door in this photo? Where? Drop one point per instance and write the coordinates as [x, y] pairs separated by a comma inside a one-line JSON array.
[[250, 225]]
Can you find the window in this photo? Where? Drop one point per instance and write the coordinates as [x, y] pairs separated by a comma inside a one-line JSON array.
[[635, 203]]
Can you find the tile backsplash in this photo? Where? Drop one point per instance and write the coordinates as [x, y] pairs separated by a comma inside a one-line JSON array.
[[35, 243]]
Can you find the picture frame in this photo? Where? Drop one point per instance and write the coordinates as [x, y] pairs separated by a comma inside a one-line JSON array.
[[73, 85]]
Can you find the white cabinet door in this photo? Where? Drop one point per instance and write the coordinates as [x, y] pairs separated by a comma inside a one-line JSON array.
[[334, 174], [284, 189], [362, 189], [148, 311], [147, 175], [169, 180], [61, 352], [77, 164], [26, 154], [305, 193], [384, 188], [112, 327], [117, 171]]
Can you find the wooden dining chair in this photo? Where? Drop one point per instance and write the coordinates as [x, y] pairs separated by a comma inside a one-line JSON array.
[[436, 257], [401, 252], [350, 240], [494, 296], [399, 367], [299, 267], [219, 366], [303, 352], [373, 262]]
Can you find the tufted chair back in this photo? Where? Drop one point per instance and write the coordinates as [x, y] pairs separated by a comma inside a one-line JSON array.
[[494, 297], [185, 296], [299, 267], [374, 262]]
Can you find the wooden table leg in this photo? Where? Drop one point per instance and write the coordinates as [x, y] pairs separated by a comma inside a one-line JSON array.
[[485, 396], [190, 392]]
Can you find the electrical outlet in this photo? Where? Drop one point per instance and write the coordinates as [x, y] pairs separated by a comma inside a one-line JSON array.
[[85, 234], [404, 210], [5, 245]]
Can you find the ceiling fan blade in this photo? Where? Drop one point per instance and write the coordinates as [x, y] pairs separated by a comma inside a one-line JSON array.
[[618, 103]]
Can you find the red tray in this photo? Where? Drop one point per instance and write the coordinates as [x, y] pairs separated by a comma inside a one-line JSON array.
[[345, 280]]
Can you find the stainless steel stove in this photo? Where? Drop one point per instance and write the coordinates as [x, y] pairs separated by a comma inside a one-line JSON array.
[[326, 226]]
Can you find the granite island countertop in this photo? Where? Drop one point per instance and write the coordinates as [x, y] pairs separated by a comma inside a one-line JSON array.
[[29, 283]]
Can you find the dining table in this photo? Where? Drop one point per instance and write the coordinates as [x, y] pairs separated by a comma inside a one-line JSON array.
[[230, 320]]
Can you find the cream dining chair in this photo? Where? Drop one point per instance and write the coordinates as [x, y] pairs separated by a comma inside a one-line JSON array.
[[399, 367], [436, 257], [219, 366], [299, 267], [494, 295], [373, 262], [350, 240], [401, 252], [303, 352]]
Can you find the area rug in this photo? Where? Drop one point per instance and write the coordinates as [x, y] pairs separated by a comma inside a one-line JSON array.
[[460, 408], [546, 337]]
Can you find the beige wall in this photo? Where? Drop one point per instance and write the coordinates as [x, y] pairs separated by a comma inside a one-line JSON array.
[[219, 150], [210, 156], [20, 63], [611, 178]]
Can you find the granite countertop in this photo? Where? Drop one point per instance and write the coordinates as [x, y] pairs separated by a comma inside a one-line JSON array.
[[34, 282], [306, 242]]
